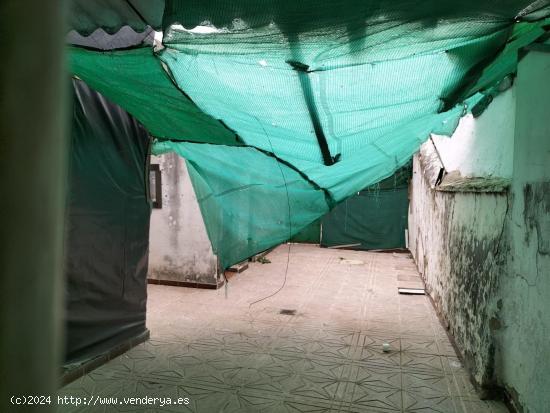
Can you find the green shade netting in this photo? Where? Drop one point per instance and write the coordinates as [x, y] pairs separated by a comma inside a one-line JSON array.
[[376, 83], [135, 80], [249, 201]]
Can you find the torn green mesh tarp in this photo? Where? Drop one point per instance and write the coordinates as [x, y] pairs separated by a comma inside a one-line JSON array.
[[135, 80], [522, 35], [249, 200], [371, 82]]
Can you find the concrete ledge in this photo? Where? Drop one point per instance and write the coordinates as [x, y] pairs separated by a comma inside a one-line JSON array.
[[72, 372], [454, 182]]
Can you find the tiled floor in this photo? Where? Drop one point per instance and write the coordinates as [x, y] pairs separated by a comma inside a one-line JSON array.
[[327, 357]]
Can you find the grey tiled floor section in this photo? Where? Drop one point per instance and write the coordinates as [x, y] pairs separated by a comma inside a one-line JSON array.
[[227, 357]]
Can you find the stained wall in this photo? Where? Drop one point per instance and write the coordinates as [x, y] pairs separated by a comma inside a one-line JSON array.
[[179, 246], [481, 238]]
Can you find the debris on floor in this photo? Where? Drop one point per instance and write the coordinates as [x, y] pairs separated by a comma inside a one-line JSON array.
[[413, 291], [263, 260], [408, 279], [344, 246], [259, 256], [351, 262]]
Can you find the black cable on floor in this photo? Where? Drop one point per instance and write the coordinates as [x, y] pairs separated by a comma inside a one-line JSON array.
[[289, 223]]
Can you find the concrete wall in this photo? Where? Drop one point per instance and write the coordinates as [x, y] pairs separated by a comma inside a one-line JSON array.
[[456, 230], [179, 246], [523, 357], [455, 239], [484, 250]]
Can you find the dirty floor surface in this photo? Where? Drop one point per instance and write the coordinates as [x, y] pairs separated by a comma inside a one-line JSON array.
[[316, 346]]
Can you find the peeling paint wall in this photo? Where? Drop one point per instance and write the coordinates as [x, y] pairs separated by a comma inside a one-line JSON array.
[[455, 240], [523, 351], [484, 250], [179, 246], [457, 232]]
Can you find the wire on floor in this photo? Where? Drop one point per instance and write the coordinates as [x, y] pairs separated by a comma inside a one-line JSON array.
[[289, 223]]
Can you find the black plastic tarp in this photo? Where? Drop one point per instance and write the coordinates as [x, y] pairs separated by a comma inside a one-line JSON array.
[[107, 226]]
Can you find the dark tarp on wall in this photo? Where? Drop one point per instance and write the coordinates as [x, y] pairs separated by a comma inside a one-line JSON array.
[[107, 227], [310, 234], [375, 218]]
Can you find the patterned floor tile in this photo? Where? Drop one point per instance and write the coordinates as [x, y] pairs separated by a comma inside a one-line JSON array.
[[369, 397], [417, 401], [377, 377], [421, 362], [317, 346], [421, 345]]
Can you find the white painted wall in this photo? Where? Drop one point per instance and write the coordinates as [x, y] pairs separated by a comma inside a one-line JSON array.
[[523, 356], [179, 246], [483, 146]]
